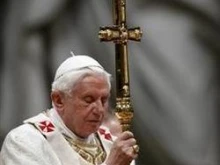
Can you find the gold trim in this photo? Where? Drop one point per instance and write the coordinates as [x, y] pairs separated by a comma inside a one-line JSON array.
[[92, 153]]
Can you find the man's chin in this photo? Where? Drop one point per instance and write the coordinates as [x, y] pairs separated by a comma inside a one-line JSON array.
[[94, 127]]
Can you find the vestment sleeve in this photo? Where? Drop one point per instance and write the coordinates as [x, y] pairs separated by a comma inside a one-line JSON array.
[[26, 146]]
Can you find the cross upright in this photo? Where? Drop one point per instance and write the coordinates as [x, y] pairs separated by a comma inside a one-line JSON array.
[[120, 35]]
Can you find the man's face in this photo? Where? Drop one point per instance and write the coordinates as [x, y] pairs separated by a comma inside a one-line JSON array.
[[83, 112]]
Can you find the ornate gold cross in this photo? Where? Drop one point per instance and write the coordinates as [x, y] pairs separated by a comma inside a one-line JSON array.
[[120, 35]]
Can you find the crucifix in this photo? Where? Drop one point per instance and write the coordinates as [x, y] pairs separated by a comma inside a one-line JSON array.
[[120, 35]]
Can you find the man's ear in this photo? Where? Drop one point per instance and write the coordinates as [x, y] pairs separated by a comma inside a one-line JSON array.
[[58, 99]]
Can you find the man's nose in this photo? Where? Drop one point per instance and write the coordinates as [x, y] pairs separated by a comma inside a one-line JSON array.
[[99, 106]]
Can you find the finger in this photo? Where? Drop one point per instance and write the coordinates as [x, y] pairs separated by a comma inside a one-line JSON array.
[[130, 142], [135, 148], [125, 135], [132, 154]]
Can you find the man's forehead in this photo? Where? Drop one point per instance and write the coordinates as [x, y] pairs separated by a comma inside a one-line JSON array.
[[92, 82]]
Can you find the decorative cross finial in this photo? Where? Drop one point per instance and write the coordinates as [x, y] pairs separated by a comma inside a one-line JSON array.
[[119, 33]]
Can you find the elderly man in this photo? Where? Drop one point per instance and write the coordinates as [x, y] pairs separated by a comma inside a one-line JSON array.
[[71, 133]]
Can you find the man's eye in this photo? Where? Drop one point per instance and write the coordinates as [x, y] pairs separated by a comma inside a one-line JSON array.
[[104, 100], [88, 99]]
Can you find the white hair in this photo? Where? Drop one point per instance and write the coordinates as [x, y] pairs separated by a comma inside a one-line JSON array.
[[67, 81]]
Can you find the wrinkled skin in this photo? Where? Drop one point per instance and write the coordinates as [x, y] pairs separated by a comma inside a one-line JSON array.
[[122, 152], [83, 110]]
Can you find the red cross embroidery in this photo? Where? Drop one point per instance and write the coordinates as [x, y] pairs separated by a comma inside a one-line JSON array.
[[46, 126], [106, 135]]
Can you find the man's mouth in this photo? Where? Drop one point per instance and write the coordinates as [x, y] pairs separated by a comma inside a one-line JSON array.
[[94, 121]]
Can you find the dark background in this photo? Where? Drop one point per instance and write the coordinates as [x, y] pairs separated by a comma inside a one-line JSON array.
[[174, 70]]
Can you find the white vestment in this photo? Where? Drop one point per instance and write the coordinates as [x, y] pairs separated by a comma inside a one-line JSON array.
[[40, 141]]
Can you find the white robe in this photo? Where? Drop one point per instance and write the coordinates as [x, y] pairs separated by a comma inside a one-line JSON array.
[[34, 143]]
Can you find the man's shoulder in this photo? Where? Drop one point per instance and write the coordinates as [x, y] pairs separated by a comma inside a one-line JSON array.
[[33, 128], [28, 127], [25, 144], [24, 132]]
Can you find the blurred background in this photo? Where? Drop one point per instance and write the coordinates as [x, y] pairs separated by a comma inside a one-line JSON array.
[[174, 70]]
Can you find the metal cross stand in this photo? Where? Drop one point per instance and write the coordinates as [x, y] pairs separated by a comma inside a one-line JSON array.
[[120, 35]]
